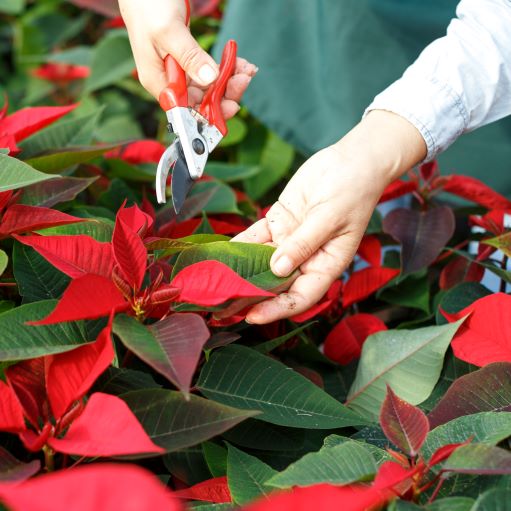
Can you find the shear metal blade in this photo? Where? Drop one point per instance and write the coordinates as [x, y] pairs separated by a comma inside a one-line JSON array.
[[181, 180], [166, 161]]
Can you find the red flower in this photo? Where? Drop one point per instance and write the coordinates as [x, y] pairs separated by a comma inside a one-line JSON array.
[[16, 127], [60, 72], [43, 403], [428, 182]]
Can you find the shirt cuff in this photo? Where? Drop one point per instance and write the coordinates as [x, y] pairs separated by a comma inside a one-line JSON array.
[[434, 108]]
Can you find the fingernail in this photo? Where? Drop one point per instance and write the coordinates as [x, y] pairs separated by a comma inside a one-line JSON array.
[[206, 74], [283, 266]]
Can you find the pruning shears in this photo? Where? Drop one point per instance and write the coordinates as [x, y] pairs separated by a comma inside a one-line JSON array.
[[197, 132]]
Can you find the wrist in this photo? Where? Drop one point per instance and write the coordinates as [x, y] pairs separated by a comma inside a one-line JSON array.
[[383, 144]]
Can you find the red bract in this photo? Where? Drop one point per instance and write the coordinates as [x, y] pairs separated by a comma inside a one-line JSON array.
[[322, 497], [364, 283], [370, 250], [23, 123], [344, 343], [485, 336], [141, 151], [87, 297], [212, 490], [48, 392], [493, 222], [460, 269], [91, 488], [60, 72], [18, 218], [428, 182], [73, 255], [209, 283]]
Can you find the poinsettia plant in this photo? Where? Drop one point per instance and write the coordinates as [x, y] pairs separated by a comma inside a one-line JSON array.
[[128, 376]]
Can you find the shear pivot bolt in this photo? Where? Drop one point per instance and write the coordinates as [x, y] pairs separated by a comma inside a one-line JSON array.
[[198, 146]]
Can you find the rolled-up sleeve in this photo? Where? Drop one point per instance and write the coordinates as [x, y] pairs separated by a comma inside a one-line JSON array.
[[459, 82]]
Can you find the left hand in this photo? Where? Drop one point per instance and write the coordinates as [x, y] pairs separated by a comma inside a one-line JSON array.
[[322, 214]]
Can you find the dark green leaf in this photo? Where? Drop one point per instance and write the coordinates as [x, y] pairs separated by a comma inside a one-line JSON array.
[[485, 427], [228, 172], [344, 463], [239, 376], [216, 458], [451, 504], [479, 459], [175, 423], [120, 380], [246, 476], [492, 500], [19, 341], [37, 279], [112, 60]]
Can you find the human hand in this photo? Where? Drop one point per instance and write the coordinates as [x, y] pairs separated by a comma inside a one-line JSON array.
[[157, 28], [322, 214]]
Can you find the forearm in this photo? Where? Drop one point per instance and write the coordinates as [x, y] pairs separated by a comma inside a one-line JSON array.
[[461, 81], [383, 145]]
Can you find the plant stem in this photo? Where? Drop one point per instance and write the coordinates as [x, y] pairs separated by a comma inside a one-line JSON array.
[[49, 458], [504, 267], [437, 490]]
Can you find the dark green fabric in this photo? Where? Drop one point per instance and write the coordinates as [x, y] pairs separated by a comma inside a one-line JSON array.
[[323, 61]]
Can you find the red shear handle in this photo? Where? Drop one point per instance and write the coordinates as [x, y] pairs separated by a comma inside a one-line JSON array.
[[176, 92], [210, 106]]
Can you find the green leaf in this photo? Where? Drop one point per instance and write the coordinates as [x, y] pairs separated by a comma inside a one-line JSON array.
[[4, 260], [112, 60], [345, 463], [246, 476], [496, 499], [175, 423], [229, 172], [249, 260], [485, 427], [120, 380], [479, 459], [379, 455], [410, 361], [16, 174], [64, 133], [237, 131], [239, 376], [411, 291], [268, 346], [502, 243], [12, 6], [19, 341], [56, 162], [141, 173], [37, 279], [95, 228], [49, 193], [222, 200], [459, 297], [451, 504], [216, 458], [276, 160], [77, 55]]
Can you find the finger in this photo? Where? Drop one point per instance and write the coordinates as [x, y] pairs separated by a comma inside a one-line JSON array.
[[150, 69], [197, 63], [195, 95], [229, 108], [307, 290], [301, 244], [245, 67], [236, 86], [256, 233]]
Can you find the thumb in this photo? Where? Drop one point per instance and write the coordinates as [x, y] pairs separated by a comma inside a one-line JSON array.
[[299, 246], [197, 63]]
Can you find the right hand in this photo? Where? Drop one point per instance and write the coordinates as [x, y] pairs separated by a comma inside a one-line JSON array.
[[158, 28]]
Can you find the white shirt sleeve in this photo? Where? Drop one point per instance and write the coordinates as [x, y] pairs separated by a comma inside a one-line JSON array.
[[459, 82]]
